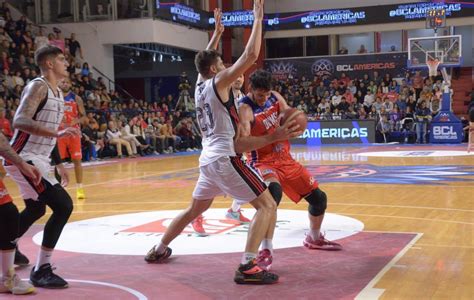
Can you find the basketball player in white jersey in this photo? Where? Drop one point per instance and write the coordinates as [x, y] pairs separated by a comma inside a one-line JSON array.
[[222, 170], [234, 212], [36, 124]]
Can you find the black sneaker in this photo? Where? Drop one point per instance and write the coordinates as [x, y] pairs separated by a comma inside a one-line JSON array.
[[45, 278], [251, 273], [20, 258], [153, 257]]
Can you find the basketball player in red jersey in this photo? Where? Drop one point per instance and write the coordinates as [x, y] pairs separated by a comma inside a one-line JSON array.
[[258, 114], [9, 222], [74, 115]]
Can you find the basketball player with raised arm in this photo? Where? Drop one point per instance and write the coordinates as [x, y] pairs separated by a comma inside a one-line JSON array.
[[36, 124], [9, 221], [74, 115], [234, 213], [222, 170], [259, 112]]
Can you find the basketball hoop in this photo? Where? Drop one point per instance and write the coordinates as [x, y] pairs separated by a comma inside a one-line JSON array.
[[433, 66]]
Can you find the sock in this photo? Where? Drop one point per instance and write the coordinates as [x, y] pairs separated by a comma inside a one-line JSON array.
[[248, 257], [235, 206], [161, 248], [79, 185], [267, 244], [314, 233], [8, 258], [44, 257]]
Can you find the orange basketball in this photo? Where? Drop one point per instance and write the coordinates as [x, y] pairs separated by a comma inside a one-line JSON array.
[[294, 114]]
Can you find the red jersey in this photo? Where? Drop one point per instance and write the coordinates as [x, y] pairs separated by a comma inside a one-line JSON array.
[[265, 122], [70, 110]]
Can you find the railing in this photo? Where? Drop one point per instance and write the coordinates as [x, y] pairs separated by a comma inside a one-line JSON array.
[[112, 84]]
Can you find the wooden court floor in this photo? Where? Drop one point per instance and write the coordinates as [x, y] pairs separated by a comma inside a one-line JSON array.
[[415, 191]]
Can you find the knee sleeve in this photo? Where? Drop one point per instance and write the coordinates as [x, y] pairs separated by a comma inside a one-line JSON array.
[[275, 190], [317, 202], [9, 221]]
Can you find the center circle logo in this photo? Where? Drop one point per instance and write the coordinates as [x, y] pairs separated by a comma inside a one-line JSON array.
[[322, 67], [135, 234]]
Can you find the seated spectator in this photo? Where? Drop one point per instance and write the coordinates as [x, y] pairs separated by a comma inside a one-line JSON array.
[[115, 138], [343, 106], [128, 136], [166, 130], [387, 104]]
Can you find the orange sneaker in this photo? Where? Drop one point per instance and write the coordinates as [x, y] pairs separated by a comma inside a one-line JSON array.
[[197, 226]]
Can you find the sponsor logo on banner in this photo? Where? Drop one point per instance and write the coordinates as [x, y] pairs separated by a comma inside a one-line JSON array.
[[282, 70], [341, 133], [322, 67], [369, 66], [445, 132], [135, 234]]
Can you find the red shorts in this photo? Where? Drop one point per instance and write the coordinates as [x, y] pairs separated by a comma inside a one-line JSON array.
[[4, 195], [70, 147], [295, 180]]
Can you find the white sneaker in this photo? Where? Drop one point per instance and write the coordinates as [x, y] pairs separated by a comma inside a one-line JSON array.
[[156, 152], [13, 284]]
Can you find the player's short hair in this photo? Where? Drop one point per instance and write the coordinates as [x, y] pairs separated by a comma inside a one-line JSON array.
[[471, 115], [204, 60], [46, 52], [261, 79]]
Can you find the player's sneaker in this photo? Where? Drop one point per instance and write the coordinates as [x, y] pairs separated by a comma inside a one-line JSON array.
[[45, 278], [80, 193], [251, 273], [265, 259], [237, 216], [13, 284], [321, 244], [153, 257], [197, 226], [20, 258]]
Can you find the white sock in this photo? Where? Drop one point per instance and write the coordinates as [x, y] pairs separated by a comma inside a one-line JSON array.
[[235, 206], [314, 233], [44, 257], [8, 258], [247, 256], [79, 185], [267, 244], [161, 248]]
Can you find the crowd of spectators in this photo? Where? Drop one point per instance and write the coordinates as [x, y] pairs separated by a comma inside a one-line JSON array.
[[114, 123], [402, 107]]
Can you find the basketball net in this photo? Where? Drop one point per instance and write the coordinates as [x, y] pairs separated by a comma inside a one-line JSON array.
[[433, 66]]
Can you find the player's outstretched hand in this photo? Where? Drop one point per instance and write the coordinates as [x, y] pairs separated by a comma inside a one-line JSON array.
[[219, 27], [30, 171], [258, 9], [69, 131], [287, 131]]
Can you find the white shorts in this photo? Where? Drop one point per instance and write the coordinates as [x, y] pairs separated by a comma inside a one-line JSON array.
[[27, 188], [229, 176]]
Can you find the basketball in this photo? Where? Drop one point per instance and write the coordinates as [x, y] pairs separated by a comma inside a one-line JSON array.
[[294, 114]]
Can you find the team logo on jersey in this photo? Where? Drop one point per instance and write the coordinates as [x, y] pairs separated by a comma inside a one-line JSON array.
[[322, 67], [135, 234], [434, 175]]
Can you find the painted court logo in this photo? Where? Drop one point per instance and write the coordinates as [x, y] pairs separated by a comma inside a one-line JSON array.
[[135, 234]]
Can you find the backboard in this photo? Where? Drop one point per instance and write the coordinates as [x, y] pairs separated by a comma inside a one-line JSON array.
[[446, 49]]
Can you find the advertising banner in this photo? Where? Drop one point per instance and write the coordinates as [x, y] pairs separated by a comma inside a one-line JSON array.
[[337, 132], [354, 66]]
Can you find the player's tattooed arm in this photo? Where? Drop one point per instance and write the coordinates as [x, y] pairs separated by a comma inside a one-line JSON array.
[[31, 98], [7, 151]]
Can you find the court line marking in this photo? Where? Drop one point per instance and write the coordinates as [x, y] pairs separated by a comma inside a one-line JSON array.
[[369, 292], [412, 218], [135, 293], [331, 203]]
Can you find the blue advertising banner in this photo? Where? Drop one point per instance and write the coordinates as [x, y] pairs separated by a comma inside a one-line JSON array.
[[352, 65], [337, 132]]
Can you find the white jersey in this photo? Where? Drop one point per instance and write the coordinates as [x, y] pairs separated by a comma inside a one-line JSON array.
[[49, 114], [217, 123]]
